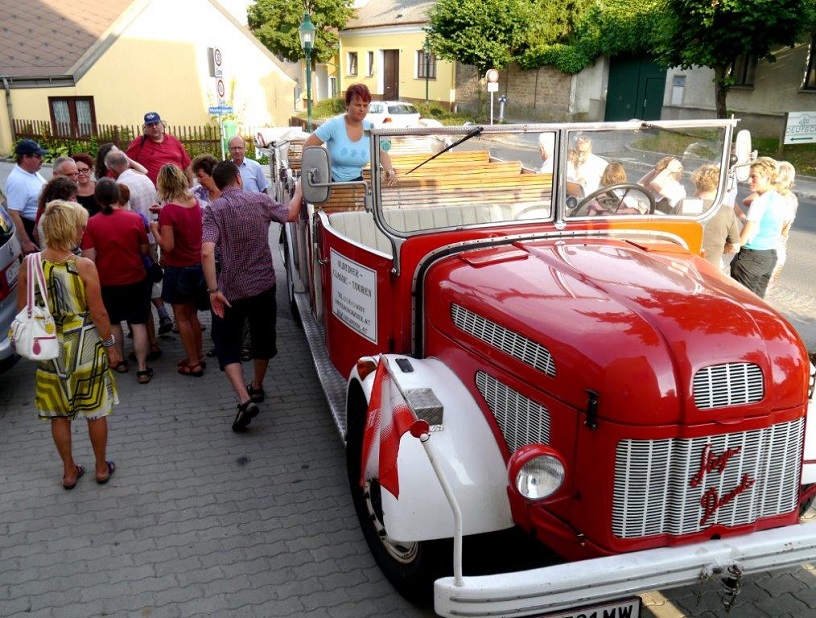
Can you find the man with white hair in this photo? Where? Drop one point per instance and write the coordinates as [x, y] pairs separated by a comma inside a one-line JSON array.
[[65, 166], [251, 171], [546, 144]]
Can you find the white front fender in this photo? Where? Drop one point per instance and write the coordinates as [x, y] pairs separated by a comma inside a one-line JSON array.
[[467, 454], [809, 464]]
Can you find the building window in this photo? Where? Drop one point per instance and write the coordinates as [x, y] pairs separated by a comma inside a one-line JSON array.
[[810, 76], [426, 64], [72, 116], [333, 86], [743, 70], [351, 61], [370, 63]]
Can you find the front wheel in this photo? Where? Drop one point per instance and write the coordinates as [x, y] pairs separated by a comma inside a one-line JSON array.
[[410, 567]]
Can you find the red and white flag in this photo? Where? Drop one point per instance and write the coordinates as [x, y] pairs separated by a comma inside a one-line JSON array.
[[389, 417]]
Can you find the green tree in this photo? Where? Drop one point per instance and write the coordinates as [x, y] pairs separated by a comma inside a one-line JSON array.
[[714, 33], [276, 22], [483, 33], [594, 28]]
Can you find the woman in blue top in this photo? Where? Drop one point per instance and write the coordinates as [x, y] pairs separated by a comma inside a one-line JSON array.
[[759, 238], [346, 141]]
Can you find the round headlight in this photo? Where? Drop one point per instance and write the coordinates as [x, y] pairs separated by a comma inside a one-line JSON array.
[[539, 477]]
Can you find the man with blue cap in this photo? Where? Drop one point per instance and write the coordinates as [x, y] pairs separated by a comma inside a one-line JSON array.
[[23, 188], [156, 147]]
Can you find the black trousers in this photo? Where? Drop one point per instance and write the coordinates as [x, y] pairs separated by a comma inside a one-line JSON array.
[[753, 268]]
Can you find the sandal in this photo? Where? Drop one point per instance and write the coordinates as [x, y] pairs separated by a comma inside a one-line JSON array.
[[185, 362], [79, 472], [111, 470], [143, 377], [187, 369], [121, 367]]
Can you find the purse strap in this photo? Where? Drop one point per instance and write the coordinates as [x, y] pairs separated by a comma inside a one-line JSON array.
[[36, 277]]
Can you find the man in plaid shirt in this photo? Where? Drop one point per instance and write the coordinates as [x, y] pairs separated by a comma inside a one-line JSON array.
[[238, 224]]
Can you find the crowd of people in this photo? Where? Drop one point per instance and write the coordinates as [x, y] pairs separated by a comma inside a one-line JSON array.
[[756, 230], [100, 227]]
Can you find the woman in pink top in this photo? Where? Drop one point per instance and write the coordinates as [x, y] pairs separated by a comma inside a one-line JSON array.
[[178, 233], [116, 240]]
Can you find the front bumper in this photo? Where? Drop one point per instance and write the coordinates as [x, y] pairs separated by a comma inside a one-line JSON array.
[[595, 581]]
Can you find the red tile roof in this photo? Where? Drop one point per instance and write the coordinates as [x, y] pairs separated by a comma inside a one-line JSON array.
[[45, 38]]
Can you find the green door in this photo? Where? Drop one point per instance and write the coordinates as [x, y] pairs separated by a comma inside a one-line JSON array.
[[635, 89]]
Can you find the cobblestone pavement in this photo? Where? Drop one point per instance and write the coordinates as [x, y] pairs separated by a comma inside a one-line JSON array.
[[197, 520]]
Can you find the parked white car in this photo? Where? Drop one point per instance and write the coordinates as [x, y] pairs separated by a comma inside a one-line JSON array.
[[10, 260], [393, 114]]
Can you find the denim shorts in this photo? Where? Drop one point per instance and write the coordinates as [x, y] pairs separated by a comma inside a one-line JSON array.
[[185, 284]]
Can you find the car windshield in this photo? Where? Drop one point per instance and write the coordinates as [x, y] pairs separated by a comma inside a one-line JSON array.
[[502, 176], [401, 108]]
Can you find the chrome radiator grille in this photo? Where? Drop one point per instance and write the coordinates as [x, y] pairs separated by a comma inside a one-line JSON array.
[[524, 349], [521, 420], [730, 384], [682, 486]]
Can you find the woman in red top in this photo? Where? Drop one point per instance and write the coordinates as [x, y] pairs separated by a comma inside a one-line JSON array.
[[178, 233], [116, 240]]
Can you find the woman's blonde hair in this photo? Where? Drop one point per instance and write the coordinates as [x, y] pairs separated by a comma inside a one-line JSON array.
[[765, 166], [706, 178], [785, 175], [171, 184], [60, 223], [613, 174]]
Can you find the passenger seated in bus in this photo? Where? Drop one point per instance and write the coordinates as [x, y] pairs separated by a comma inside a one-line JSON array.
[[664, 183], [614, 201]]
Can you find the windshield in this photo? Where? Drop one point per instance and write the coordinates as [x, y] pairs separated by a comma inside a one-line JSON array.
[[498, 176]]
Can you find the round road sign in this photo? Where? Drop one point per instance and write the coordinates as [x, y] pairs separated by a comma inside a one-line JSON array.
[[492, 75], [220, 88]]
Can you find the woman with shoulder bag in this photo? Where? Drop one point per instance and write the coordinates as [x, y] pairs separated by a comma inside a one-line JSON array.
[[78, 382]]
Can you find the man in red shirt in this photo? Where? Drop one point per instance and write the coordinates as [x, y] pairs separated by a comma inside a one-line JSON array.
[[155, 148]]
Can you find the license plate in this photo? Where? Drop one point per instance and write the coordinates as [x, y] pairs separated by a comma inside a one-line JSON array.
[[11, 273], [629, 608]]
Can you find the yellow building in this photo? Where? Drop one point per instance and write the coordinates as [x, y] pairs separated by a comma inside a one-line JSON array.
[[80, 65], [383, 47]]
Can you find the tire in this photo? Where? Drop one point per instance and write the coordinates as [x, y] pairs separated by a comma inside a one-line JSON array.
[[805, 505], [410, 567]]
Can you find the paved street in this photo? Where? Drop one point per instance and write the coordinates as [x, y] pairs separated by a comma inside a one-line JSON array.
[[200, 521]]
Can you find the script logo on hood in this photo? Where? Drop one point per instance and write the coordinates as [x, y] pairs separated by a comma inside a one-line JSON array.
[[710, 462]]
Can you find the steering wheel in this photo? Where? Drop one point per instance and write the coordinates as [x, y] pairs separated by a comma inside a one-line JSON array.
[[609, 200]]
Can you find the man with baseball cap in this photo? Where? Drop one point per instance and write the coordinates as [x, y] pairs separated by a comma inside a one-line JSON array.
[[155, 147], [23, 188]]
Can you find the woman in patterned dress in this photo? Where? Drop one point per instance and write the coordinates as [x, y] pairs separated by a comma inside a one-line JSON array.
[[78, 382]]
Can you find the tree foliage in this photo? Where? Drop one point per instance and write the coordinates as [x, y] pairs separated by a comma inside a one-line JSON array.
[[276, 22], [715, 33], [483, 33]]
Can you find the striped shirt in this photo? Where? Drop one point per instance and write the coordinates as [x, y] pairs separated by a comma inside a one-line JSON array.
[[238, 224]]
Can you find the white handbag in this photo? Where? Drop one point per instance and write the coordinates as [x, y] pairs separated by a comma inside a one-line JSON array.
[[33, 332]]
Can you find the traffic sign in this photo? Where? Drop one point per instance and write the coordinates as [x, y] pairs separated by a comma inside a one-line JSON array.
[[220, 92], [800, 128], [216, 60], [220, 109]]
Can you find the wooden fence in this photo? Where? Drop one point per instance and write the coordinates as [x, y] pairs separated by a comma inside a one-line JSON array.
[[69, 138]]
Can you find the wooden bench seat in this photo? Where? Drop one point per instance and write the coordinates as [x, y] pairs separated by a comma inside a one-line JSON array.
[[530, 189]]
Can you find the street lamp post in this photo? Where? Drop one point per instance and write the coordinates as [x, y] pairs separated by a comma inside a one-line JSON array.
[[307, 33]]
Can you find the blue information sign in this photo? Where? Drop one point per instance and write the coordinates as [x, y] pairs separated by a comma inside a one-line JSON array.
[[220, 109]]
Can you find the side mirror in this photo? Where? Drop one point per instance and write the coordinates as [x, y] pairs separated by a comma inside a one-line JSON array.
[[315, 174], [744, 155]]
